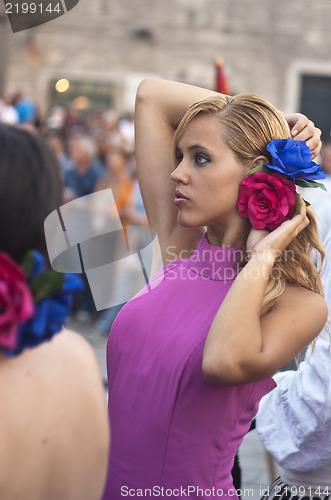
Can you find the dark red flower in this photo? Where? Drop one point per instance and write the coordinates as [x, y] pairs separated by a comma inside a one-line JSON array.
[[266, 199], [16, 304]]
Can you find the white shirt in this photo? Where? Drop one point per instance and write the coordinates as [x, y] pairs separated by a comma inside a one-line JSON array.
[[316, 482], [321, 203], [8, 114], [294, 420]]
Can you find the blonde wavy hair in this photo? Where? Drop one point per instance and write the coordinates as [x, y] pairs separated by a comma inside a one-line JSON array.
[[248, 124]]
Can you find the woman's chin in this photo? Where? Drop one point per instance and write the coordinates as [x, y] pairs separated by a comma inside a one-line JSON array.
[[189, 222]]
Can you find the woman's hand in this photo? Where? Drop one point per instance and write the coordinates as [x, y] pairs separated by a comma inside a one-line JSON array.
[[263, 242], [303, 129]]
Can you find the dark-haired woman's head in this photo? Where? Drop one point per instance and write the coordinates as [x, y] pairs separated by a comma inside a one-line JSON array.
[[30, 188]]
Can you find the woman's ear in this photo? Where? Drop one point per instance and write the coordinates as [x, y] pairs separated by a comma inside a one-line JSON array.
[[259, 161]]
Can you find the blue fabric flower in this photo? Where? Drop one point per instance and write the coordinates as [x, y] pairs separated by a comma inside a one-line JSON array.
[[38, 265], [50, 312], [293, 158]]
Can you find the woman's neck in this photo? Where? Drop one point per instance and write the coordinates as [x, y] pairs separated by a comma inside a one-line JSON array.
[[232, 236]]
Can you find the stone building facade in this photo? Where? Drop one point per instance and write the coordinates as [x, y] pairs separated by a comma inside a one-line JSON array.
[[279, 50]]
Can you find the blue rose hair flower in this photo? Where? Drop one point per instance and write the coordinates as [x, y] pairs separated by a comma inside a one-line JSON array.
[[293, 158]]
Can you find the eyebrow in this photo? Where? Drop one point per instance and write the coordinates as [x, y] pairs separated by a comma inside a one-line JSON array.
[[197, 146], [194, 147]]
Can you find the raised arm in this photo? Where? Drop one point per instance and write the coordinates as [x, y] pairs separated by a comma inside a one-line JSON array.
[[160, 105], [244, 346]]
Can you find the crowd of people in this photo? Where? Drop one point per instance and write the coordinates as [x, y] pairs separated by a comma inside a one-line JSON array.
[[96, 152]]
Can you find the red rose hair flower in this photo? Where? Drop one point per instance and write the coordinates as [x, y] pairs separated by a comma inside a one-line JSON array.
[[16, 305], [266, 199]]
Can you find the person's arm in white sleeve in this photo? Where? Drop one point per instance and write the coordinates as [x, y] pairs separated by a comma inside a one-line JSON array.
[[294, 420]]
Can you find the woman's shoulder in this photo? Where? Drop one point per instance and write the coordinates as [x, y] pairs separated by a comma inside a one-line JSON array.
[[304, 301], [298, 304], [69, 342], [293, 291], [65, 345]]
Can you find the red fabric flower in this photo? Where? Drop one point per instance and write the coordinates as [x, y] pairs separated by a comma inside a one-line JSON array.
[[16, 304], [266, 200]]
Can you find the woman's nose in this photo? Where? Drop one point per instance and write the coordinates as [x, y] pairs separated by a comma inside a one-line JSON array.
[[180, 174]]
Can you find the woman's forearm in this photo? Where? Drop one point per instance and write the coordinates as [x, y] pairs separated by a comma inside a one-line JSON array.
[[234, 343], [174, 98], [171, 99]]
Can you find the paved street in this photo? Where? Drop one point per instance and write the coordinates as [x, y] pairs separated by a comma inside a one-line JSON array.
[[254, 467], [255, 473]]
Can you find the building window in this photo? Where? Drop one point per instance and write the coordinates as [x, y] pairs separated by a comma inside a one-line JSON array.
[[315, 101], [88, 95]]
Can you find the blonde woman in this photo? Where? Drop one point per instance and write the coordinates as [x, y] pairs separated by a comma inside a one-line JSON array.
[[191, 355]]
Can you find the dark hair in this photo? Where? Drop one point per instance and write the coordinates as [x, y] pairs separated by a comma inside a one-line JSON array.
[[30, 189]]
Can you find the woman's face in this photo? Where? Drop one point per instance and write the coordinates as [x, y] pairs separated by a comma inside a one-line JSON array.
[[208, 174]]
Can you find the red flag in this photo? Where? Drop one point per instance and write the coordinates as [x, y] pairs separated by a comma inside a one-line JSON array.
[[221, 81]]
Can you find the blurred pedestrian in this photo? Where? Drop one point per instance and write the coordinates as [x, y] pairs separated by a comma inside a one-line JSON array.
[[127, 282], [8, 113], [102, 147], [75, 123], [82, 177], [96, 123], [56, 119], [119, 180], [126, 127], [112, 131], [25, 107], [56, 142], [80, 180]]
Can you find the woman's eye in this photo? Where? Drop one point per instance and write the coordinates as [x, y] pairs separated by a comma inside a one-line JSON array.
[[179, 156], [201, 159]]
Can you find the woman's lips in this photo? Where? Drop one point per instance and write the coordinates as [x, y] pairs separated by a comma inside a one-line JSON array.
[[180, 198], [181, 195], [180, 201]]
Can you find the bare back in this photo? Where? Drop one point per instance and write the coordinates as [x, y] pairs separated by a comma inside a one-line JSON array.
[[53, 423]]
